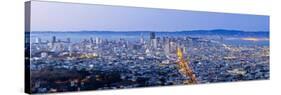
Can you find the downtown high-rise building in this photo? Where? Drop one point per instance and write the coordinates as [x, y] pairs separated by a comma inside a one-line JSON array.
[[152, 35], [54, 40], [68, 40], [166, 45], [153, 41], [38, 40]]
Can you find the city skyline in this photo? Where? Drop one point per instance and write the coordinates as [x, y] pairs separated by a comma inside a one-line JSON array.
[[155, 47], [54, 16], [60, 64]]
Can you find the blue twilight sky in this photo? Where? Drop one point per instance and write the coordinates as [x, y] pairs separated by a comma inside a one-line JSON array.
[[54, 16]]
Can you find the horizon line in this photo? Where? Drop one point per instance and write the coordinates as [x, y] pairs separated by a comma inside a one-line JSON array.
[[145, 30]]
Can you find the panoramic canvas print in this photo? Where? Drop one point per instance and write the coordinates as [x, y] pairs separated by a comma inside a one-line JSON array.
[[80, 47]]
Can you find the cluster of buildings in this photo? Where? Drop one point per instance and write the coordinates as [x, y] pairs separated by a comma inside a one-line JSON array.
[[123, 63]]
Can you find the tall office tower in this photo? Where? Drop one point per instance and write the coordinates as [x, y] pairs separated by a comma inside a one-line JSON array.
[[173, 46], [68, 40], [91, 40], [54, 39], [184, 50], [70, 50], [152, 35], [158, 41], [38, 40], [221, 39], [97, 40], [142, 39], [166, 46], [153, 41]]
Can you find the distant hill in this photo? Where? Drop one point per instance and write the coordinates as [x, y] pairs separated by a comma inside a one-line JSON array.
[[227, 32], [187, 32]]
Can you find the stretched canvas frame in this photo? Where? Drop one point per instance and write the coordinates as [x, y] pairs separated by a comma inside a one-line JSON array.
[[80, 47]]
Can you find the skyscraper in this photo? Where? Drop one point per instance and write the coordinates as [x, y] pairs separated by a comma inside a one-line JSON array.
[[142, 39], [152, 35], [54, 39], [97, 40], [153, 41], [91, 40], [166, 46], [68, 40], [38, 40]]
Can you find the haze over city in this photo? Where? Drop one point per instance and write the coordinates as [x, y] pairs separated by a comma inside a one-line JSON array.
[[78, 17]]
